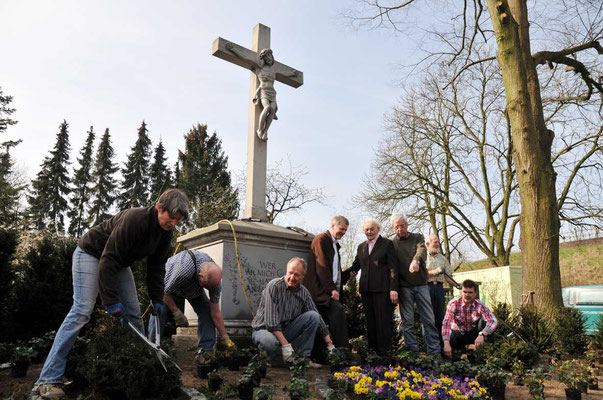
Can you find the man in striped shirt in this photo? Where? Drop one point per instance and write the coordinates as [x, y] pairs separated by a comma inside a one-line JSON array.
[[187, 274], [464, 320], [287, 315]]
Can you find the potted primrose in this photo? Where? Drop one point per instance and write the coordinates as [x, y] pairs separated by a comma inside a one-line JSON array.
[[21, 360]]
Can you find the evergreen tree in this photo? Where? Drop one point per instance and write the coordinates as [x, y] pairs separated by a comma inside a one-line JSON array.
[[82, 187], [135, 184], [103, 174], [203, 175], [10, 188], [161, 176], [50, 189]]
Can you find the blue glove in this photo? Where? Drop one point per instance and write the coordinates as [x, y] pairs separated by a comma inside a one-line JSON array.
[[159, 308], [115, 310]]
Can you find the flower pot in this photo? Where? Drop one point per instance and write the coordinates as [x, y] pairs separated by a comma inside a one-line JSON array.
[[19, 369], [215, 383], [203, 370], [497, 392], [245, 392], [517, 381], [593, 384], [573, 394], [582, 386], [232, 364]]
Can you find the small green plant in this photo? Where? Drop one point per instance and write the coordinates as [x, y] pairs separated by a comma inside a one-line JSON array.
[[572, 372], [532, 327], [518, 369], [492, 375], [360, 346], [264, 392], [23, 354], [298, 388], [339, 358], [300, 365], [534, 379], [332, 394], [570, 331]]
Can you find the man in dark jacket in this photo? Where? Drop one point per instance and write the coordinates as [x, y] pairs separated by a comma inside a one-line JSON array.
[[378, 267], [324, 279], [101, 263], [411, 253]]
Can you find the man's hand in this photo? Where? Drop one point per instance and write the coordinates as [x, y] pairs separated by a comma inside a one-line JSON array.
[[447, 349], [393, 296], [458, 286], [180, 319], [479, 340], [116, 310], [335, 295], [436, 271], [414, 266], [353, 274], [287, 351], [228, 344]]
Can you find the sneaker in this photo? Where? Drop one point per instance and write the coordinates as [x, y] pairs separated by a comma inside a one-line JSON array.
[[50, 391]]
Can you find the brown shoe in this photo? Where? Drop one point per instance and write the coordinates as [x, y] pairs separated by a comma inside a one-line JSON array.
[[51, 391]]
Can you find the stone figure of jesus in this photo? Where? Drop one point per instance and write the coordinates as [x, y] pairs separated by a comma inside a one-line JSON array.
[[265, 94]]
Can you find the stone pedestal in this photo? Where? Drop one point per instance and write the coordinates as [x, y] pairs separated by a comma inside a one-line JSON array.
[[264, 250]]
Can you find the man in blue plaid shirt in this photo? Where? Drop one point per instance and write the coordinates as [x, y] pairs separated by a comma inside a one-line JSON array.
[[187, 274]]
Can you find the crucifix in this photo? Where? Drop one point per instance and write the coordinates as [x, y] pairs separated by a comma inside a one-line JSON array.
[[262, 108]]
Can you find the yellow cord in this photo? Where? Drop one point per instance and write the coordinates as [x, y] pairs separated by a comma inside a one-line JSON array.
[[234, 235]]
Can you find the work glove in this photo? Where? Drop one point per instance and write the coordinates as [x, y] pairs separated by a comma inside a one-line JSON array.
[[287, 351], [331, 348], [115, 310], [180, 319], [458, 286], [229, 344], [159, 308]]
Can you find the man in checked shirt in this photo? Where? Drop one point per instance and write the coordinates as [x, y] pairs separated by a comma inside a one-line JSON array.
[[464, 319], [288, 315], [187, 274]]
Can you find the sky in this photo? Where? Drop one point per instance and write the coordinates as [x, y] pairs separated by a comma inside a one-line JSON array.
[[112, 64]]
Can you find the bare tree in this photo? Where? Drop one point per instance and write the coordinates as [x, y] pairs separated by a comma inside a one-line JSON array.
[[573, 25], [285, 191]]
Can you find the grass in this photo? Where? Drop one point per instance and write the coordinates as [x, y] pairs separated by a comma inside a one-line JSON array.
[[580, 265]]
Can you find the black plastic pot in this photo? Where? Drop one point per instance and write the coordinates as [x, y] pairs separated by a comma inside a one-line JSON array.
[[215, 383], [19, 369], [245, 392], [582, 387], [497, 392], [232, 364], [593, 384], [263, 371], [573, 394], [203, 370]]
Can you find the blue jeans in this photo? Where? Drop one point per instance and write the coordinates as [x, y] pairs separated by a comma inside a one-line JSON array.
[[419, 295], [206, 330], [300, 333], [85, 290]]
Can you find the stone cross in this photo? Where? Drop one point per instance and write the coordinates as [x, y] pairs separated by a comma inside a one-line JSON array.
[[255, 192]]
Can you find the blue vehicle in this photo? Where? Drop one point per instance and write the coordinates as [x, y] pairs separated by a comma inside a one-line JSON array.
[[587, 299]]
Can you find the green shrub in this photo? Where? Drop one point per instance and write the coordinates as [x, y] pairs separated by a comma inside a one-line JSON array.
[[354, 312], [533, 328], [117, 363], [8, 245], [597, 338], [43, 289], [502, 311], [570, 336], [505, 352]]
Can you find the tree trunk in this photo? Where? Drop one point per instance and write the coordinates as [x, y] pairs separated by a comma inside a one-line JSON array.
[[532, 155]]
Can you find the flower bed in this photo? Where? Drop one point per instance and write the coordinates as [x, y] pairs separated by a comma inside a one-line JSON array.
[[402, 383]]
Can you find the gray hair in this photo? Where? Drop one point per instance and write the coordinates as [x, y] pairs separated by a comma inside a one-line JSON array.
[[339, 219], [299, 260], [397, 217], [370, 221], [174, 201]]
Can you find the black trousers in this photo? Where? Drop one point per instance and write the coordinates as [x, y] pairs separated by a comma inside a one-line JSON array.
[[334, 316], [438, 303], [378, 310], [458, 340]]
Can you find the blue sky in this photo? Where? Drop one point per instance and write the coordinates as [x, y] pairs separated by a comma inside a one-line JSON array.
[[113, 64]]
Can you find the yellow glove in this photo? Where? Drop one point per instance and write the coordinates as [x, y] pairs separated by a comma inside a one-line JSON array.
[[229, 344]]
